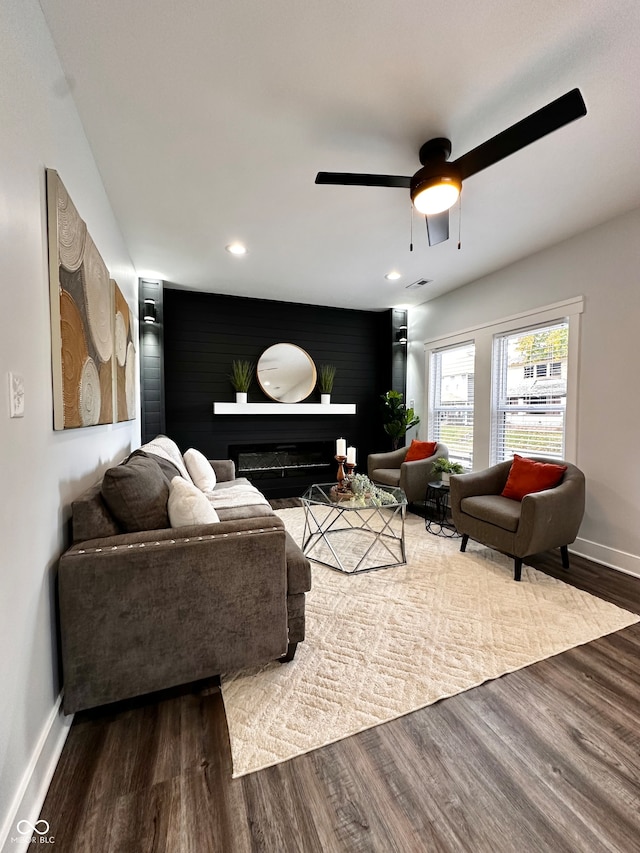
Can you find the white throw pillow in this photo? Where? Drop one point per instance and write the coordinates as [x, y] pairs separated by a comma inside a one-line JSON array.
[[187, 505], [200, 470]]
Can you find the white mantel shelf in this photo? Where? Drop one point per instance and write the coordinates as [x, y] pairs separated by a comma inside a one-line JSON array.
[[284, 408]]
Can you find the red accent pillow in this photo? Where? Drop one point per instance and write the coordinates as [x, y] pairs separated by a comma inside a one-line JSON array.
[[527, 476], [420, 450]]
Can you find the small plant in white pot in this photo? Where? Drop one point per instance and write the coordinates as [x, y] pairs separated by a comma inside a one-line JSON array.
[[445, 467], [241, 377], [326, 378]]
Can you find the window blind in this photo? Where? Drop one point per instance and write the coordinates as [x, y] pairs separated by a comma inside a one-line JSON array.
[[530, 392], [451, 400]]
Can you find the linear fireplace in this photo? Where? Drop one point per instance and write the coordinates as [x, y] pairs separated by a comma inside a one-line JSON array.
[[284, 469]]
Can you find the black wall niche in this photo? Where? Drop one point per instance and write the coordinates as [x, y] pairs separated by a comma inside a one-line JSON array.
[[151, 361], [204, 332], [399, 337]]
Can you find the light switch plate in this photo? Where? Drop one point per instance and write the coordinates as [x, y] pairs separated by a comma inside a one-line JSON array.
[[16, 395]]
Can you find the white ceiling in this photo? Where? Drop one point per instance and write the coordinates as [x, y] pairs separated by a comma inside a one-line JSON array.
[[209, 120]]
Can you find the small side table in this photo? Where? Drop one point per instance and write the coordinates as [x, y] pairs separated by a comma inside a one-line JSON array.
[[438, 510]]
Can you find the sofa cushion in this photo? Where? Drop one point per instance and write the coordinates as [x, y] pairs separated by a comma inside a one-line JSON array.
[[136, 494], [200, 469], [188, 505], [493, 509], [420, 450], [235, 513], [168, 468], [527, 476]]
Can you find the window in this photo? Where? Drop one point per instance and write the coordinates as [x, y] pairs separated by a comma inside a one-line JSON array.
[[507, 406], [451, 405], [529, 414]]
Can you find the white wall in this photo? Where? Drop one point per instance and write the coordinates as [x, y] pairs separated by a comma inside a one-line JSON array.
[[603, 265], [41, 471]]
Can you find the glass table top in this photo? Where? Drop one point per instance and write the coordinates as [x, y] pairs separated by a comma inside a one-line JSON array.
[[326, 494]]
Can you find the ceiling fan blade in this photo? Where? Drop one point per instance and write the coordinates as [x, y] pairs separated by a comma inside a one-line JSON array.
[[555, 115], [353, 180], [437, 227]]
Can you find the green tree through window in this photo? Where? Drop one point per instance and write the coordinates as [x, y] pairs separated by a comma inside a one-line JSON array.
[[547, 345]]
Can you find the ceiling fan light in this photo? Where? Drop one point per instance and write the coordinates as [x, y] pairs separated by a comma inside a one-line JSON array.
[[237, 249], [436, 195]]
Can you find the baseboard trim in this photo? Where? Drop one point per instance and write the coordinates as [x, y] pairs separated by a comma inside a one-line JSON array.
[[35, 781], [621, 561]]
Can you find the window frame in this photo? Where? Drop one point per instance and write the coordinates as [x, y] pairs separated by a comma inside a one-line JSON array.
[[482, 335]]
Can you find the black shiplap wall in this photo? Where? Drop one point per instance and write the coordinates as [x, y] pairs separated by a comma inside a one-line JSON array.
[[204, 332]]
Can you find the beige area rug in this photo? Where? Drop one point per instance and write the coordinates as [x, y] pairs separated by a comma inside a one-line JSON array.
[[383, 644]]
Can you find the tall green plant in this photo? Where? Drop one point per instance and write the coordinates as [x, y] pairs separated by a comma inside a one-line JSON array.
[[397, 417], [241, 375], [326, 378]]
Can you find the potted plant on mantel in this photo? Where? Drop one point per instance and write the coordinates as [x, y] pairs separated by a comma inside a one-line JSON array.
[[241, 377], [326, 378], [397, 418], [445, 467]]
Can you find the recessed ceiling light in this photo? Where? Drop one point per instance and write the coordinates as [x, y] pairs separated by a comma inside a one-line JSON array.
[[394, 275], [236, 249]]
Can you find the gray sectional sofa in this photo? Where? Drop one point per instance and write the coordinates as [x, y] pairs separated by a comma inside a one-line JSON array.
[[145, 606]]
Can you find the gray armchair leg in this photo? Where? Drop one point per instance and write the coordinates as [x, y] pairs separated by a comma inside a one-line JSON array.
[[289, 654], [564, 553], [463, 541], [517, 574]]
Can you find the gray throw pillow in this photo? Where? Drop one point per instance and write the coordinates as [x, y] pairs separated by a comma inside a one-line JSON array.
[[136, 493], [168, 468]]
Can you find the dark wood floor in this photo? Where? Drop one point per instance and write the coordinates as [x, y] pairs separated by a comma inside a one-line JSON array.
[[544, 759]]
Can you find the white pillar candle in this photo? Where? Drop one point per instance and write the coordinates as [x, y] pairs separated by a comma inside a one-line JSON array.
[[351, 455], [341, 447]]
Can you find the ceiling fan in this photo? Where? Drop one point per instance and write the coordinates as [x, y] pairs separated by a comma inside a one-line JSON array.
[[436, 186]]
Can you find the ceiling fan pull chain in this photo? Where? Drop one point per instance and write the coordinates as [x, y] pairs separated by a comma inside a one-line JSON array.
[[411, 228], [459, 219]]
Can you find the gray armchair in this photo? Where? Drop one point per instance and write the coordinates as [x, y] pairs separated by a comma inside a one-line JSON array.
[[390, 469], [541, 521]]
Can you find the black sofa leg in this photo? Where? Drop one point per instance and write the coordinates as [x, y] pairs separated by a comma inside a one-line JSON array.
[[463, 541], [564, 553], [289, 654], [517, 574]]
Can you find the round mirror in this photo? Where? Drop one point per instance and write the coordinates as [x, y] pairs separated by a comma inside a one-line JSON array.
[[286, 373]]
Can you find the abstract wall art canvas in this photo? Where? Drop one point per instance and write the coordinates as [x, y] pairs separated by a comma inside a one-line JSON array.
[[83, 320], [125, 359]]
